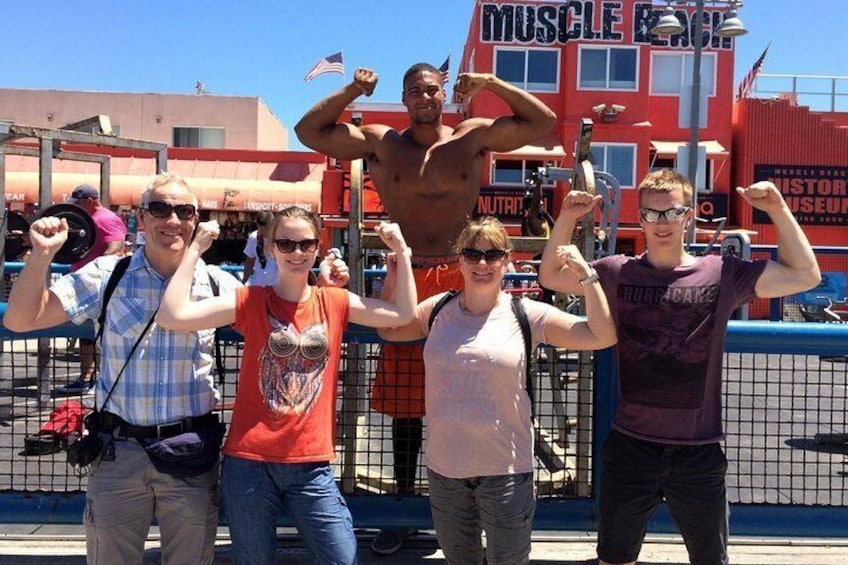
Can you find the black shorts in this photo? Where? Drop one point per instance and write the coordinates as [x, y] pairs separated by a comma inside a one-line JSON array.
[[638, 475]]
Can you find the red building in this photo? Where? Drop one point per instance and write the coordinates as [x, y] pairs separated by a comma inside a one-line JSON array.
[[597, 58]]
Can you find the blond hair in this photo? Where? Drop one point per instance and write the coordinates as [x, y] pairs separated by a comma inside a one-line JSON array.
[[487, 228], [164, 179], [666, 180]]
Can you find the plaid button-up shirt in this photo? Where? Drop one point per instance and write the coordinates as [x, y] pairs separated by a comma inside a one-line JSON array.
[[169, 377]]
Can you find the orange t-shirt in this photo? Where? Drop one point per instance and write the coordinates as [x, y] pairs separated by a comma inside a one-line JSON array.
[[285, 408]]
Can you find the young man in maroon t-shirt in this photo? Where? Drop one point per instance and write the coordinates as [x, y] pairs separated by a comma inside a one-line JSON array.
[[671, 311]]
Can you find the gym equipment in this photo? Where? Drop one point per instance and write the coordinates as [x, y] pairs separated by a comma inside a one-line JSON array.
[[81, 233], [16, 246]]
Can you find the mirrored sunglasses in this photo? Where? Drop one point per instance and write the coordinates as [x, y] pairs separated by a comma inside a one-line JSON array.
[[164, 210], [671, 215], [473, 256], [289, 245]]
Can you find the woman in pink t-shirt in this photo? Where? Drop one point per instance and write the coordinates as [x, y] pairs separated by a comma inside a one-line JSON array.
[[479, 453], [281, 439]]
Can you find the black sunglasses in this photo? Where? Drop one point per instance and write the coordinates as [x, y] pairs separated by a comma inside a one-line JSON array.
[[289, 245], [164, 210], [473, 256], [671, 215]]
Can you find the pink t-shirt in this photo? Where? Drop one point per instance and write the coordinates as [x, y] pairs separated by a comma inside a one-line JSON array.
[[110, 227], [478, 413]]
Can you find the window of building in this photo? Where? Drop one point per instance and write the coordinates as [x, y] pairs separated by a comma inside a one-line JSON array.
[[668, 162], [659, 163], [515, 172], [608, 68], [617, 159], [535, 70], [211, 138], [671, 72]]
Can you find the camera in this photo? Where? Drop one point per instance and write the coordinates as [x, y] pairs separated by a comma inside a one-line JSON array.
[[86, 450]]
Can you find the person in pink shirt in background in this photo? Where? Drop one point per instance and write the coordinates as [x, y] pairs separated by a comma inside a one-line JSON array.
[[109, 239]]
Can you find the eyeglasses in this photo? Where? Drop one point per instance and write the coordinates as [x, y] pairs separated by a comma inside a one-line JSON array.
[[671, 215], [289, 245], [164, 210], [473, 256]]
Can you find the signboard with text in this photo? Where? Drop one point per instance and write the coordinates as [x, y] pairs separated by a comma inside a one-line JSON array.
[[712, 205], [506, 203], [817, 195], [557, 23]]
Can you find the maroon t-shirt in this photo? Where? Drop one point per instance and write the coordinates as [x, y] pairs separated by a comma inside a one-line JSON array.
[[671, 329]]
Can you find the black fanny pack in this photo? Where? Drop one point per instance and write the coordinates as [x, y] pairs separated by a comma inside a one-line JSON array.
[[188, 454]]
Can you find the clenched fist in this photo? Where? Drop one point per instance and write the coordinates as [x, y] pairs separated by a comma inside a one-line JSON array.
[[469, 84], [365, 80]]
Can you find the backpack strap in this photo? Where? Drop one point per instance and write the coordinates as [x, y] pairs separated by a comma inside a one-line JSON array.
[[114, 278], [111, 284], [524, 324], [439, 305]]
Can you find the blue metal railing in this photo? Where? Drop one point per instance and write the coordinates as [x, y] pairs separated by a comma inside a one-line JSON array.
[[553, 514]]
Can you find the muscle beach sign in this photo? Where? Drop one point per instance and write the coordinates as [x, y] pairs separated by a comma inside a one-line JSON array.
[[590, 20]]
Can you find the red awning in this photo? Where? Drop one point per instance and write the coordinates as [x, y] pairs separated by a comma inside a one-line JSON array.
[[212, 194]]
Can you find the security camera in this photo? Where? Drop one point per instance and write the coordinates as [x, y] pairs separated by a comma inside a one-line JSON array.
[[599, 108], [618, 108]]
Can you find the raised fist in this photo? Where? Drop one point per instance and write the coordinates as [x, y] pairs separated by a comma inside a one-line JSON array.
[[48, 235], [390, 233], [207, 232], [577, 204], [365, 80], [469, 84]]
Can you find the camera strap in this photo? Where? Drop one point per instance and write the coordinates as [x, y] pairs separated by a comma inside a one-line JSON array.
[[127, 360]]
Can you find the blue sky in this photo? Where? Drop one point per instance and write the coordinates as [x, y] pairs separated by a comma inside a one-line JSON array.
[[264, 48]]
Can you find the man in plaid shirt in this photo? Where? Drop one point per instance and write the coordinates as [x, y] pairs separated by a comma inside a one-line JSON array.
[[166, 383]]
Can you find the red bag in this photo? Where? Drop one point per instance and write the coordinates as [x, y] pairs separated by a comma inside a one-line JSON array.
[[65, 419]]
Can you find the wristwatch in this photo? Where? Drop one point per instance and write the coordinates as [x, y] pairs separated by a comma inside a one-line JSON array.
[[591, 278]]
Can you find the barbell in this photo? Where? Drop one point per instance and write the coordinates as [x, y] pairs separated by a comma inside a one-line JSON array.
[[82, 233]]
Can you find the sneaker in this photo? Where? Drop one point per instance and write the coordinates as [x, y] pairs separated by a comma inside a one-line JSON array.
[[77, 387], [388, 542]]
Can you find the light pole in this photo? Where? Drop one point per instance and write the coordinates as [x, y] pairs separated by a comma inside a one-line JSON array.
[[668, 24]]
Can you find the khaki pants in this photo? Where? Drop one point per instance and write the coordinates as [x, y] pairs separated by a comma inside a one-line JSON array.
[[125, 494]]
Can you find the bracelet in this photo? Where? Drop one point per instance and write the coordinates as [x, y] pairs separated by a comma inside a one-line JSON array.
[[591, 278]]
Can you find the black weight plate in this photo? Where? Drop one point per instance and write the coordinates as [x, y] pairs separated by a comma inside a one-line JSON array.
[[82, 228], [17, 244]]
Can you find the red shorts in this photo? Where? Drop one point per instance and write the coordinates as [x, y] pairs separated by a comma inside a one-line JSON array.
[[398, 389]]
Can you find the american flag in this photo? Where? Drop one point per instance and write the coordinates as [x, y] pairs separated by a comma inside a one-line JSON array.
[[748, 82], [331, 64], [444, 70]]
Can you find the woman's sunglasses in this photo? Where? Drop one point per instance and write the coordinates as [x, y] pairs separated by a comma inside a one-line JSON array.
[[289, 245], [671, 215], [473, 256], [164, 210]]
